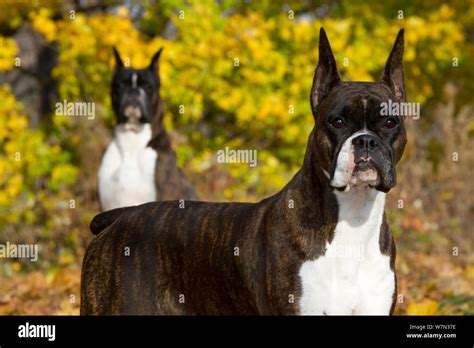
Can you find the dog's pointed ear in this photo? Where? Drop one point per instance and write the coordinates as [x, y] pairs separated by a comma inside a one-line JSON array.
[[118, 60], [393, 71], [326, 76], [154, 60]]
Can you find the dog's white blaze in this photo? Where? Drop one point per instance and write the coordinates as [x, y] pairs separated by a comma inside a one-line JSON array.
[[359, 281], [127, 171], [345, 162], [134, 80]]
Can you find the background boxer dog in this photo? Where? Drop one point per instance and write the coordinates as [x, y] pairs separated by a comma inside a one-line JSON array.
[[139, 165], [322, 245]]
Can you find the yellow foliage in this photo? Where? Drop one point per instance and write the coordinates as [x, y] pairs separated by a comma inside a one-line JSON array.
[[246, 67], [8, 52], [26, 159], [470, 272], [41, 21], [425, 307]]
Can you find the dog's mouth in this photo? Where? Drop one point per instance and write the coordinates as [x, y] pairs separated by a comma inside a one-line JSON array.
[[364, 173], [134, 117], [360, 172]]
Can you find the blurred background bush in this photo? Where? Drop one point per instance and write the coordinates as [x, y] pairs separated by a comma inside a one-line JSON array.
[[243, 72]]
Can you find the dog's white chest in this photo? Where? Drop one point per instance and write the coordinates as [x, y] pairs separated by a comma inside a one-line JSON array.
[[353, 277], [127, 171]]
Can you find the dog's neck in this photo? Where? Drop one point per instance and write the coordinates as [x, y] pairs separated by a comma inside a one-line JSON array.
[[129, 142], [320, 207], [311, 182], [160, 140]]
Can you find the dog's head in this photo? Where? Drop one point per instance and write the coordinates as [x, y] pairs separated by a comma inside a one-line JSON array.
[[135, 92], [356, 145]]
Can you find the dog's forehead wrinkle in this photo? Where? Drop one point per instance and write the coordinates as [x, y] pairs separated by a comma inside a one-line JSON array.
[[371, 89], [364, 108], [127, 72], [352, 110]]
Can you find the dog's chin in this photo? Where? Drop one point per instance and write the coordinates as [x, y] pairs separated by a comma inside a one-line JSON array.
[[363, 175], [132, 127], [134, 119]]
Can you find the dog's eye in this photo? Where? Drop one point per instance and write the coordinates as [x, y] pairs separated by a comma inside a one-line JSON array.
[[390, 123], [338, 123]]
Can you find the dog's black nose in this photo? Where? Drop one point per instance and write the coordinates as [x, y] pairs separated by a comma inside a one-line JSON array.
[[366, 141]]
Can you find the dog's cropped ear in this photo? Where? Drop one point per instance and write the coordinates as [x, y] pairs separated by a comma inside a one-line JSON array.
[[393, 71], [118, 60], [154, 60], [326, 76]]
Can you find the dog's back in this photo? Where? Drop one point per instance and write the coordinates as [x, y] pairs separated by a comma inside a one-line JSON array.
[[169, 252], [185, 257]]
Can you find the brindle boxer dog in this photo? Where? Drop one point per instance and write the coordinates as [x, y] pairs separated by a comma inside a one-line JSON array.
[[320, 246]]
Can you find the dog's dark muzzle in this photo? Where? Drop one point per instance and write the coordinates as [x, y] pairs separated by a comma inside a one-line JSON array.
[[370, 153], [133, 106]]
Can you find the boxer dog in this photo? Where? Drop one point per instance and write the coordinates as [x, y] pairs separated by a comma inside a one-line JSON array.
[[322, 245], [139, 164]]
